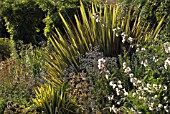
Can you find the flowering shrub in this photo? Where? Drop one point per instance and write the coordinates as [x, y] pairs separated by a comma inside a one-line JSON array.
[[147, 72], [149, 76]]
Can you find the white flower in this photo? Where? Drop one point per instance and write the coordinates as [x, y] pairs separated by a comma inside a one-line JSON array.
[[95, 15], [127, 70], [140, 88], [156, 96], [118, 103], [148, 85], [117, 91], [167, 47], [140, 97], [131, 46], [154, 59], [131, 75], [167, 63], [131, 80], [120, 86], [114, 109], [118, 28], [123, 40], [114, 29], [152, 104], [97, 20], [143, 49], [119, 82], [107, 76], [133, 94], [160, 105], [165, 88], [150, 108], [165, 98], [145, 88], [130, 39], [125, 93], [111, 83], [101, 60], [101, 63], [155, 86], [137, 50], [166, 108], [124, 65], [117, 35], [132, 109], [110, 98], [114, 85], [123, 34], [139, 81], [145, 63], [100, 66], [124, 37]]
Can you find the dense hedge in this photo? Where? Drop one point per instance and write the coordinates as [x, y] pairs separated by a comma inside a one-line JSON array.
[[6, 47], [33, 20]]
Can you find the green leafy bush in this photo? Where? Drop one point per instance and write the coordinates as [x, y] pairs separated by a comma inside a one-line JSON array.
[[6, 48], [2, 105], [33, 20], [23, 20]]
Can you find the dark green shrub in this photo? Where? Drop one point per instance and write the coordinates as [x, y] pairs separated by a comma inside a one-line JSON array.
[[6, 47], [32, 20], [3, 31], [2, 105], [23, 20]]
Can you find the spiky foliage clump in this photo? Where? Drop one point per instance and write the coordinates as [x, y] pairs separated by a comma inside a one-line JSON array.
[[53, 100]]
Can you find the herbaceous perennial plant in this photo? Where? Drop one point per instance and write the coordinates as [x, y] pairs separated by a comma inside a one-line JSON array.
[[147, 73]]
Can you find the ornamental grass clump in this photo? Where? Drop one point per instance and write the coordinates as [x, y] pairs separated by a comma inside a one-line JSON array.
[[54, 100]]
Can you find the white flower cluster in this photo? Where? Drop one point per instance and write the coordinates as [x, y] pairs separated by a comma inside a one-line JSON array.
[[120, 95], [96, 16], [127, 70], [147, 92], [114, 29], [167, 63], [167, 47], [125, 37], [101, 63], [144, 63], [155, 59], [142, 49]]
